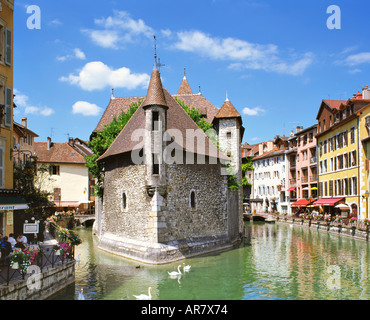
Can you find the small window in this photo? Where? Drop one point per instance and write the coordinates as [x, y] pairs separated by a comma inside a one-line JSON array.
[[124, 201], [228, 135], [54, 170], [193, 200], [155, 163], [155, 121]]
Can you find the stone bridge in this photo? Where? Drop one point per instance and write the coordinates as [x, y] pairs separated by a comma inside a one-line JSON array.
[[84, 217]]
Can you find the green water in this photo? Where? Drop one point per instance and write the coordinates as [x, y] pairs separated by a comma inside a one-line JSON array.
[[276, 262]]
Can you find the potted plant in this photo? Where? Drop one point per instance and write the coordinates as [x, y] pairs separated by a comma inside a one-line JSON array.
[[21, 259], [353, 220]]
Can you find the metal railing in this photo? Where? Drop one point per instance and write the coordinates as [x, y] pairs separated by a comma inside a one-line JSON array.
[[45, 259]]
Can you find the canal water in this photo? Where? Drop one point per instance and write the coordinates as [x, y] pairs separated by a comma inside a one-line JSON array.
[[276, 262]]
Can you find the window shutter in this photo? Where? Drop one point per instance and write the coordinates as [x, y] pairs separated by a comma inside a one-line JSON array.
[[8, 106], [1, 167], [8, 46]]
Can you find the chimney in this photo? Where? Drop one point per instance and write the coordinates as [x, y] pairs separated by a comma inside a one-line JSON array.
[[49, 143], [291, 133], [366, 93], [24, 122], [298, 129]]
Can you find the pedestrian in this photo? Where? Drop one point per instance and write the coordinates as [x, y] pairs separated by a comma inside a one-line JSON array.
[[12, 240], [6, 247], [22, 238]]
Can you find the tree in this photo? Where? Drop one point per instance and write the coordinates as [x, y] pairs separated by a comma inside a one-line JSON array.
[[102, 141], [26, 180]]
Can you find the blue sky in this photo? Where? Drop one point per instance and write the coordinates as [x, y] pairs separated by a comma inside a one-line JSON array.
[[276, 59]]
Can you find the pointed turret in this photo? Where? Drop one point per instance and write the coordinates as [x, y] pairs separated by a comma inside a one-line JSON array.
[[184, 86], [227, 110], [155, 95]]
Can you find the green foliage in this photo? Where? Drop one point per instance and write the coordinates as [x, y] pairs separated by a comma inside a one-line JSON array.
[[196, 115], [246, 167], [102, 141], [27, 179]]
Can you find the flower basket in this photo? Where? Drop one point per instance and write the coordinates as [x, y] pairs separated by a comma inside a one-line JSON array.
[[367, 222], [22, 259], [63, 249]]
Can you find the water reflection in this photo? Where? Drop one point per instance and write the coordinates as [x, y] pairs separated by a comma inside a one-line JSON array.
[[276, 261]]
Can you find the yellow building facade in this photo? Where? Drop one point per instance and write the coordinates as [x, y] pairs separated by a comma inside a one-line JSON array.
[[10, 201], [364, 135]]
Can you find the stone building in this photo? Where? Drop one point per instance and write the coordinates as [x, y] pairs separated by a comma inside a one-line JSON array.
[[166, 193]]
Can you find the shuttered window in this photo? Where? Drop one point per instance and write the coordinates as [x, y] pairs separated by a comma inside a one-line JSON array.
[[1, 167], [8, 106], [8, 46]]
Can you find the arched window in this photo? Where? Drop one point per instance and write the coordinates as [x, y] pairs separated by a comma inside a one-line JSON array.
[[193, 200]]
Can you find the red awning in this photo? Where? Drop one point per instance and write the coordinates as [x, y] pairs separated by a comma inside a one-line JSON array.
[[301, 203], [292, 188], [328, 201]]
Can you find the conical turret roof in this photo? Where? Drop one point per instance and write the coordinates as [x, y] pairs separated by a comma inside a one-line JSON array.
[[227, 111], [184, 87], [155, 95]]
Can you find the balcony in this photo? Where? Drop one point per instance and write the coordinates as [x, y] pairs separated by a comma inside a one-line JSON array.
[[304, 179], [292, 181], [313, 178], [313, 159]]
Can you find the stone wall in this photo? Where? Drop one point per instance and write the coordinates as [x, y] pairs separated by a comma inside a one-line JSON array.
[[133, 221], [209, 218], [51, 280], [160, 230]]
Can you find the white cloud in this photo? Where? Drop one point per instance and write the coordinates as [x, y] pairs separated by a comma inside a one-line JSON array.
[[104, 38], [77, 54], [253, 111], [118, 29], [356, 59], [21, 100], [96, 76], [55, 22], [243, 54], [85, 108]]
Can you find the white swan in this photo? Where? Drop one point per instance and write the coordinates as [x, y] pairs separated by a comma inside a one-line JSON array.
[[176, 273], [144, 296], [186, 268]]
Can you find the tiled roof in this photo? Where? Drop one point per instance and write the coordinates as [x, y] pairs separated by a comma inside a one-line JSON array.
[[177, 118], [184, 87], [197, 101], [155, 95], [59, 152], [334, 104], [227, 110], [274, 152], [23, 130], [114, 108]]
